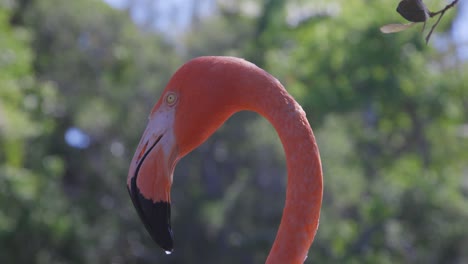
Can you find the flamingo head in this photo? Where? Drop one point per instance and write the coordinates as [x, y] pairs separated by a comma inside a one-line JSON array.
[[190, 109], [150, 174]]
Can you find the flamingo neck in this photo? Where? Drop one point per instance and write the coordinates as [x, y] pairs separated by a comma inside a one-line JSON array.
[[239, 85], [301, 213]]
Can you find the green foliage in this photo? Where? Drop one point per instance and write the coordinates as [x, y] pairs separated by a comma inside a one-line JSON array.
[[388, 111], [390, 102], [35, 221]]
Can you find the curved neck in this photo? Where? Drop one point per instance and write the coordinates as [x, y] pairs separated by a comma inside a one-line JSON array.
[[256, 90], [226, 85], [304, 187]]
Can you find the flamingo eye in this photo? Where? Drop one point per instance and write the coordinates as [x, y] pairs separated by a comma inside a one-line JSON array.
[[171, 98]]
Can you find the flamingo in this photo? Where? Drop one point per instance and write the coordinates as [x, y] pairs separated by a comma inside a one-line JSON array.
[[197, 100]]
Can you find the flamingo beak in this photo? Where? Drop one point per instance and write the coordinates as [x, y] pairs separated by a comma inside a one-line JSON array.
[[149, 187]]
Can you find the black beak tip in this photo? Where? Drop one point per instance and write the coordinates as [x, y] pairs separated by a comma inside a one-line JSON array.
[[162, 234], [157, 221], [156, 216]]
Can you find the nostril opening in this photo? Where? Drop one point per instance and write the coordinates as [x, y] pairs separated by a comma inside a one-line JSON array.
[[142, 152]]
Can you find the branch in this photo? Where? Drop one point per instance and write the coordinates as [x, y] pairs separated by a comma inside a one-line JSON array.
[[447, 7], [441, 12], [416, 11]]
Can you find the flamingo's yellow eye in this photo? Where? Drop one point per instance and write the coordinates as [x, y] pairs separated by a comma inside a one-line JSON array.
[[171, 98]]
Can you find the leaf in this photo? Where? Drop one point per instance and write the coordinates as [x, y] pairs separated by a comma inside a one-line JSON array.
[[393, 28], [413, 10]]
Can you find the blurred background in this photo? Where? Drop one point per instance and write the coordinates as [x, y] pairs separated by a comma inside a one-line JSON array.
[[78, 79]]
